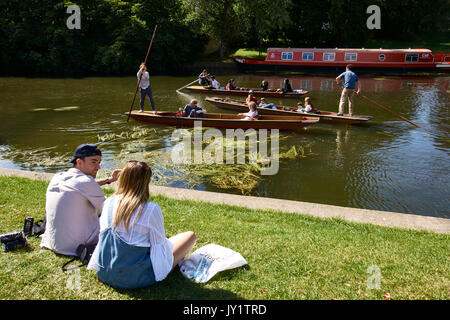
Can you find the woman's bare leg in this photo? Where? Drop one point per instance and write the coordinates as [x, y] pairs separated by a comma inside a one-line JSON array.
[[182, 244]]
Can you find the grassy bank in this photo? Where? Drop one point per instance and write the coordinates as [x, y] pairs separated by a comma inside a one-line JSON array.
[[290, 256], [251, 53]]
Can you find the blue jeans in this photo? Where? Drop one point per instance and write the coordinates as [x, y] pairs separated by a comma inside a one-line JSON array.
[[144, 92]]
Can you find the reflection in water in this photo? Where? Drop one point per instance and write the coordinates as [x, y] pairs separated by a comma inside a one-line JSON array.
[[342, 138], [386, 165]]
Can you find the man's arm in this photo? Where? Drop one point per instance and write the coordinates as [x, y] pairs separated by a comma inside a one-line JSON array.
[[358, 83], [340, 78], [113, 178]]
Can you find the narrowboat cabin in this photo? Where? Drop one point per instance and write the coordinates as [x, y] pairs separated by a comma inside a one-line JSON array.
[[403, 60]]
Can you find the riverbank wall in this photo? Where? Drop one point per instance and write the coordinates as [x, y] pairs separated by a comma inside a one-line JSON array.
[[380, 218]]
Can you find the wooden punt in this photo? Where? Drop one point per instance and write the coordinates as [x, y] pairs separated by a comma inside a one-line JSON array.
[[226, 121], [324, 116], [257, 93]]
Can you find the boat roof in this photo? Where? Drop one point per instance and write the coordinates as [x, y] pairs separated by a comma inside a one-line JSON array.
[[353, 49]]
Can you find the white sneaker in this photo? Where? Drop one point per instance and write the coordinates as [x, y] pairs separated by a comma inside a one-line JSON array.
[[141, 110], [154, 112]]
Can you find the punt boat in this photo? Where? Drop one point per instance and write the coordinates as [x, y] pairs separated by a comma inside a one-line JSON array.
[[324, 116], [226, 121], [271, 93]]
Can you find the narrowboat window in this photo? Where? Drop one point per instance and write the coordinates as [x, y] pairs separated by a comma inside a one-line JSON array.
[[381, 57], [306, 84], [351, 56], [379, 86], [326, 85], [412, 57], [286, 56], [328, 56], [308, 56]]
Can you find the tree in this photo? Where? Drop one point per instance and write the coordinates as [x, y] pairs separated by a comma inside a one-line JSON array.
[[261, 18], [217, 19]]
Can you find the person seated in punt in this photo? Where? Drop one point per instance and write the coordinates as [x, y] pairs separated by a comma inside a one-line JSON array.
[[252, 114], [251, 97], [192, 110], [180, 112], [215, 83], [230, 85], [286, 87], [263, 104], [204, 78], [264, 85], [308, 107]]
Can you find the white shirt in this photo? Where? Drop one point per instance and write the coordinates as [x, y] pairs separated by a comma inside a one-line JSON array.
[[72, 201], [251, 115], [216, 84], [147, 231], [145, 80]]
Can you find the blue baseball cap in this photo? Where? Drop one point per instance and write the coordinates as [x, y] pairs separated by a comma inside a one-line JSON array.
[[85, 150]]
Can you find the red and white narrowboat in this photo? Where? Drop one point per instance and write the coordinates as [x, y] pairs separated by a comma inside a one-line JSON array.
[[403, 60]]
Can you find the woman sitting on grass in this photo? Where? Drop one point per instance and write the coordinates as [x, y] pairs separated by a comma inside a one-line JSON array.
[[133, 250]]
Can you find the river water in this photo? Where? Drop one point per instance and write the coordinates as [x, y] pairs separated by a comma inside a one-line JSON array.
[[387, 164]]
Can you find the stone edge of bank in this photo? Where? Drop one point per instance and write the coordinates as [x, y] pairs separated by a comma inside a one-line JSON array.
[[380, 218]]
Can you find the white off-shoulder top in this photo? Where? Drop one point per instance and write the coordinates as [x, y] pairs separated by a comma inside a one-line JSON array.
[[146, 231]]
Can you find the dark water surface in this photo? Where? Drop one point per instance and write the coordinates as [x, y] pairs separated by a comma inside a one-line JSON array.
[[387, 164]]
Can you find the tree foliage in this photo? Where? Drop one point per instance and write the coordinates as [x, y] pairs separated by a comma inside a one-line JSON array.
[[113, 38], [114, 34]]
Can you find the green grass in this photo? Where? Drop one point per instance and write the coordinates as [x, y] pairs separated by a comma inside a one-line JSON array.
[[251, 53], [290, 256]]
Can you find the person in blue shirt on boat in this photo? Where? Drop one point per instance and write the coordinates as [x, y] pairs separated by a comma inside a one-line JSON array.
[[350, 81], [145, 88], [192, 110]]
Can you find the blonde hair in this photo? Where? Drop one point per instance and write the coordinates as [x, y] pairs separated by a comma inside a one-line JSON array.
[[252, 105], [308, 99], [133, 186]]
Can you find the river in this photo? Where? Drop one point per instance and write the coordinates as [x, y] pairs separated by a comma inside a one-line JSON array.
[[386, 164]]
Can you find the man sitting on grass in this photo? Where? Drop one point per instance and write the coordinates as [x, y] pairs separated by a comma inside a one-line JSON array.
[[74, 201]]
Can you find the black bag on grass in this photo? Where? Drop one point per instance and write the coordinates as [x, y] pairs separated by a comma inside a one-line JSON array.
[[39, 227], [84, 254]]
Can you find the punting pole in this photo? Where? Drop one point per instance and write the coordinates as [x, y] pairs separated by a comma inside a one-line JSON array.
[[385, 108], [139, 81]]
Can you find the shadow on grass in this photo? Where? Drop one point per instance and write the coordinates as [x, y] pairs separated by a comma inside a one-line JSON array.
[[177, 287]]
